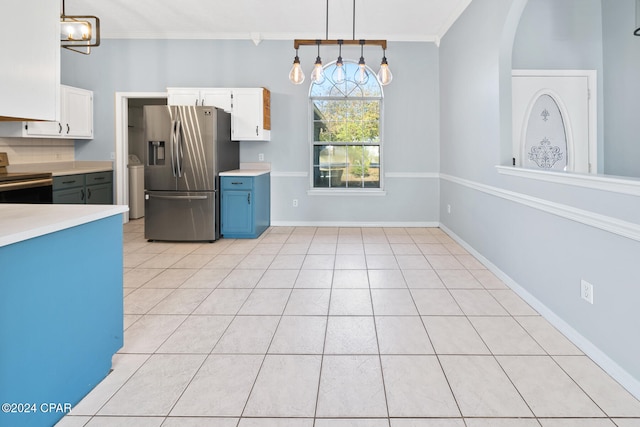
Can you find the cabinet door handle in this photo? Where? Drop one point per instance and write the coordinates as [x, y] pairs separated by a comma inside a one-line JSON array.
[[59, 127], [88, 193], [236, 183], [196, 102], [98, 178], [256, 130], [68, 128], [81, 194], [249, 198]]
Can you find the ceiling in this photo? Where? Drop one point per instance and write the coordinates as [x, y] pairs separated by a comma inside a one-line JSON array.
[[394, 20]]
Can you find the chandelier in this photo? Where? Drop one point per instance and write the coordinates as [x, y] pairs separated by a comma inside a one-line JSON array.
[[79, 33], [296, 75]]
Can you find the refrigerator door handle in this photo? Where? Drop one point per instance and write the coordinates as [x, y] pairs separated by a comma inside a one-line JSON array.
[[153, 196], [179, 151], [173, 146]]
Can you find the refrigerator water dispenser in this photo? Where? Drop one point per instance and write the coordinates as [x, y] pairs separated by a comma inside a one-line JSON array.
[[156, 153]]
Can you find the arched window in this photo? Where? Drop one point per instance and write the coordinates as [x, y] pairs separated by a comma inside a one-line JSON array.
[[346, 138]]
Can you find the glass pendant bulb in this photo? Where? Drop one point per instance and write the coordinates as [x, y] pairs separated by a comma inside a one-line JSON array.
[[317, 75], [384, 75], [338, 74], [362, 75], [296, 75]]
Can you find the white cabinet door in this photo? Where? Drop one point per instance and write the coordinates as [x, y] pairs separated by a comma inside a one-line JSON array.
[[214, 97], [43, 129], [180, 96], [78, 112], [248, 122], [553, 120]]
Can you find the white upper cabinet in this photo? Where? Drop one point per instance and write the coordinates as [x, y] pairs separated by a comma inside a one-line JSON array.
[[210, 97], [78, 112], [220, 98], [76, 106], [251, 115], [30, 74], [250, 108]]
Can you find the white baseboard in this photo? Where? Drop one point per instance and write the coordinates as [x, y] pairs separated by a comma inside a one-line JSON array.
[[625, 379], [362, 224]]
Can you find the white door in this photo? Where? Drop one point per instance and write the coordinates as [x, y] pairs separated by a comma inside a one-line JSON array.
[[554, 123]]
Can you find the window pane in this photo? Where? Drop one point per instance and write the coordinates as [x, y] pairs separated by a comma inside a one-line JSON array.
[[372, 175], [364, 166], [330, 163]]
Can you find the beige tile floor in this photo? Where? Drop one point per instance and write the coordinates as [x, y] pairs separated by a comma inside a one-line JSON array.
[[338, 327]]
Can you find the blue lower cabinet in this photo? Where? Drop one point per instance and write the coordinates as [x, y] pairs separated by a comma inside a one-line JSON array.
[[245, 205], [62, 319]]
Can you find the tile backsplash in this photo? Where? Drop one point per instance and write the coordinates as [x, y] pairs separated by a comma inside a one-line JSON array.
[[37, 150]]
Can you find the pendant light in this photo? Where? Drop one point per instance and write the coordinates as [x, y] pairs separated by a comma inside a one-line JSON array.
[[79, 33], [362, 75], [296, 75], [317, 75], [338, 74], [384, 75]]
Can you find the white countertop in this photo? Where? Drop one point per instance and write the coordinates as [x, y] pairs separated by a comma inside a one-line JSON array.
[[63, 168], [245, 172], [20, 222]]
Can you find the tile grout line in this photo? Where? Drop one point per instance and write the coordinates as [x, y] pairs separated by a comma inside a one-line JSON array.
[[324, 345]]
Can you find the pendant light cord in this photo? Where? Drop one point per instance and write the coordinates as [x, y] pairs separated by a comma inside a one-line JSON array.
[[354, 19], [327, 23]]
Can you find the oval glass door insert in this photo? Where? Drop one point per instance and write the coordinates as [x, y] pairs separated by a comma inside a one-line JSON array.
[[545, 144]]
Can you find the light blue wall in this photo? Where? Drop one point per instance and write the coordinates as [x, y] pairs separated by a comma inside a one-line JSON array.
[[563, 35], [410, 127], [504, 219], [622, 88]]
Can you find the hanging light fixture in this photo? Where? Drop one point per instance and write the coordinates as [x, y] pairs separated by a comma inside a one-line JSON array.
[[317, 75], [79, 33], [296, 75], [338, 75], [384, 75], [362, 75]]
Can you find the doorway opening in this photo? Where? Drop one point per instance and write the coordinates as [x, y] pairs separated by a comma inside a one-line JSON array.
[[128, 133]]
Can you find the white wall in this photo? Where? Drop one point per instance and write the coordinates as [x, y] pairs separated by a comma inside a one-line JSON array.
[[537, 234], [411, 121]]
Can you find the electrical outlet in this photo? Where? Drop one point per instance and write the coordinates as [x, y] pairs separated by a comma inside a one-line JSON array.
[[295, 203], [586, 291], [261, 157], [448, 208]]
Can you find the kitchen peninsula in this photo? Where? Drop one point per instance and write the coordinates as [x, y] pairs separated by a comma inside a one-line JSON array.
[[61, 307]]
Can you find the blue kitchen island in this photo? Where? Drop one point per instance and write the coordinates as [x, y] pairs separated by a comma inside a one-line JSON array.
[[61, 313]]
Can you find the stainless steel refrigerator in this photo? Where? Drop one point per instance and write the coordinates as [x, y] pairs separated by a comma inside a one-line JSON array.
[[186, 148]]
